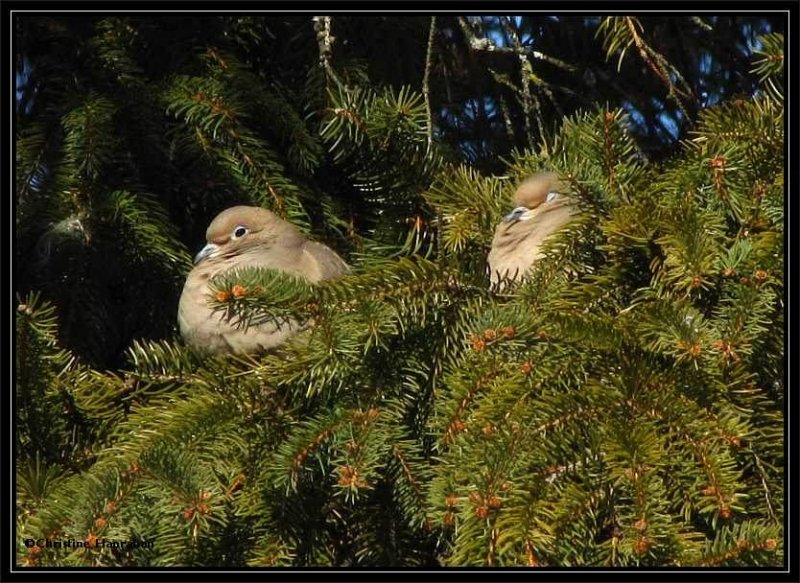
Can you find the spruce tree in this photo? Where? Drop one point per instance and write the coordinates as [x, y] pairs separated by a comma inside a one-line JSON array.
[[622, 407]]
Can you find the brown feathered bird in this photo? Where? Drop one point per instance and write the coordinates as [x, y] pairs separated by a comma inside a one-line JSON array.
[[245, 236], [541, 209]]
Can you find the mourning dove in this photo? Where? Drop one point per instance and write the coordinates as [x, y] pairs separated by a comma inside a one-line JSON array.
[[541, 209], [245, 236]]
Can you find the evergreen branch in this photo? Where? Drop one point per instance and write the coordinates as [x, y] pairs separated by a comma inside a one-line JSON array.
[[622, 32], [90, 141], [426, 81], [322, 26], [415, 507], [746, 543]]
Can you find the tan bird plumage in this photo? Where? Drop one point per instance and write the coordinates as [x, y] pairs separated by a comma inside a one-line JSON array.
[[541, 209], [244, 236]]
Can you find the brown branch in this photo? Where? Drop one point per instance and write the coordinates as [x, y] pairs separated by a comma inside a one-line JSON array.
[[426, 81]]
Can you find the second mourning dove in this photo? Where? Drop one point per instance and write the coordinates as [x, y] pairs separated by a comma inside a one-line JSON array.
[[246, 236], [541, 209]]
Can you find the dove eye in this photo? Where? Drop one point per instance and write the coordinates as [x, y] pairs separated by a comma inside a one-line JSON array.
[[239, 232], [515, 215], [551, 196]]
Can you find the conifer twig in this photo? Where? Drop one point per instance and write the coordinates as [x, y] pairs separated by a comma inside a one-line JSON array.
[[426, 80], [525, 73], [322, 26]]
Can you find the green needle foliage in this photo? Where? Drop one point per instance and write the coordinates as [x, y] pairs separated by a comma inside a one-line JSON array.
[[621, 407]]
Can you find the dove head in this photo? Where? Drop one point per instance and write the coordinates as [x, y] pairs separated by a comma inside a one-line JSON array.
[[543, 188], [241, 228]]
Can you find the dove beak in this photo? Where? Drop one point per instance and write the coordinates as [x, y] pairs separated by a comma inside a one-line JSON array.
[[518, 214], [206, 252]]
